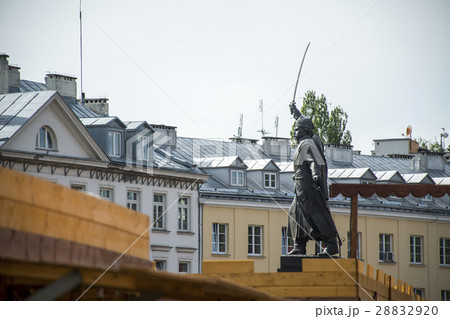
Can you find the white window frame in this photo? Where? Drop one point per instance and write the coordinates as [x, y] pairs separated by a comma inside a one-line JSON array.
[[219, 238], [416, 249], [111, 193], [287, 244], [159, 220], [237, 178], [43, 136], [386, 253], [161, 261], [444, 251], [131, 202], [78, 187], [188, 266], [142, 148], [358, 245], [270, 180], [253, 238], [184, 213], [113, 149]]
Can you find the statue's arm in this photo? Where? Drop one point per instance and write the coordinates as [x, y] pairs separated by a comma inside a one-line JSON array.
[[294, 111]]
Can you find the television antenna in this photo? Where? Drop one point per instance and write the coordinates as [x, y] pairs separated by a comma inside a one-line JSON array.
[[261, 109]]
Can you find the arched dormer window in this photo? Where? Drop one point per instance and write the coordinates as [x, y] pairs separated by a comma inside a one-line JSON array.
[[46, 139]]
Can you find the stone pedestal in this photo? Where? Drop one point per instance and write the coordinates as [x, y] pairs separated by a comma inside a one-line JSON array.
[[294, 263]]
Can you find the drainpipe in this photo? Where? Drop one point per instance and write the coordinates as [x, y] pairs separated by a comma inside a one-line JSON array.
[[200, 234]]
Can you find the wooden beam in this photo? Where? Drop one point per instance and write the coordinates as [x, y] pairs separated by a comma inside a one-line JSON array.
[[228, 266], [170, 286]]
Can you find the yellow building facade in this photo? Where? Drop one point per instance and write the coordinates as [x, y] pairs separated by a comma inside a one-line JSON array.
[[428, 274]]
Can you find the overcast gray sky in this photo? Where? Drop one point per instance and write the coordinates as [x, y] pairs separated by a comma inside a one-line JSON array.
[[386, 63]]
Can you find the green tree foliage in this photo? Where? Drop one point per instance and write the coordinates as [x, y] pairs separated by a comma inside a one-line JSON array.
[[432, 146], [330, 126]]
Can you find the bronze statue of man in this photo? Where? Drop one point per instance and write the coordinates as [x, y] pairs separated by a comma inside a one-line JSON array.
[[309, 215]]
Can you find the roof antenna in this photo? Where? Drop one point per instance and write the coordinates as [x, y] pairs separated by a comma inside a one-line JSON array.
[[276, 125], [261, 109], [241, 124], [81, 58]]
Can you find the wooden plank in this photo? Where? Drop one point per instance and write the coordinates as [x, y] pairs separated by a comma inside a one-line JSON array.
[[27, 218], [55, 197], [360, 267], [312, 292], [329, 265], [370, 271], [228, 266], [380, 275], [292, 279], [172, 286]]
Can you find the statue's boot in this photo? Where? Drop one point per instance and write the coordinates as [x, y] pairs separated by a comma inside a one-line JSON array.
[[332, 246], [299, 248]]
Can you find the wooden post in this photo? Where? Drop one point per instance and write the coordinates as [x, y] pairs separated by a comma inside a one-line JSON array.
[[354, 226]]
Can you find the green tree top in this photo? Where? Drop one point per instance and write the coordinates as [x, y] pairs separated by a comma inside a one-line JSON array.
[[329, 126]]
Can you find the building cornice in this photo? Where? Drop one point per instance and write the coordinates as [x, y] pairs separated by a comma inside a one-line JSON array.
[[99, 170]]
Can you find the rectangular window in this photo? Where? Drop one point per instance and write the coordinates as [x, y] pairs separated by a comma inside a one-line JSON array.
[[106, 193], [183, 213], [415, 250], [114, 142], [237, 178], [133, 200], [159, 203], [160, 265], [358, 246], [445, 295], [444, 251], [78, 187], [419, 291], [255, 240], [270, 180], [219, 238], [287, 244], [386, 253], [183, 266], [142, 147]]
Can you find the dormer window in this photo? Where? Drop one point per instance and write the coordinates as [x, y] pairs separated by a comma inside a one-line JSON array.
[[270, 180], [237, 178], [46, 139], [142, 147], [114, 142]]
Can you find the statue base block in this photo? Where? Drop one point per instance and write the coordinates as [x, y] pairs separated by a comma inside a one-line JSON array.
[[294, 263]]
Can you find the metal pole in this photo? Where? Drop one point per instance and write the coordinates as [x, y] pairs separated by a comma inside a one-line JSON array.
[[81, 57]]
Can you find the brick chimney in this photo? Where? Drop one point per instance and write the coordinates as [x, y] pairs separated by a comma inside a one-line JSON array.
[[4, 73], [340, 153], [99, 106], [278, 148], [65, 85]]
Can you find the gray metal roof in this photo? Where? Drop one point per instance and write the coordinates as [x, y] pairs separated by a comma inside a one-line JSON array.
[[215, 162], [258, 164], [420, 178], [79, 109], [190, 148], [17, 108], [30, 86], [363, 167], [97, 121], [133, 125]]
